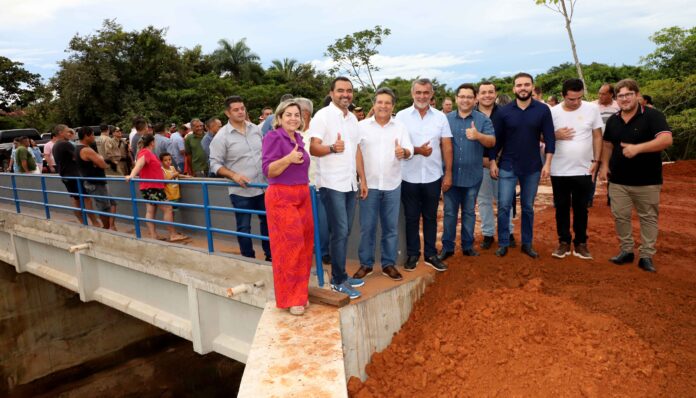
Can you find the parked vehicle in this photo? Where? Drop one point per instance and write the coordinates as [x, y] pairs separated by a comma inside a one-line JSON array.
[[7, 138]]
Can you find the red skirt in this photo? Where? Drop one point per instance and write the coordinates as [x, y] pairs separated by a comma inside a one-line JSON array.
[[291, 232]]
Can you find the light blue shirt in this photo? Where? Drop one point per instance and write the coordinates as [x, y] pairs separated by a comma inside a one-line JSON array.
[[161, 144], [176, 145], [467, 158], [430, 128]]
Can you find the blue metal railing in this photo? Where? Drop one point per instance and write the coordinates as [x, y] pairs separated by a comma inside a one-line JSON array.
[[137, 219]]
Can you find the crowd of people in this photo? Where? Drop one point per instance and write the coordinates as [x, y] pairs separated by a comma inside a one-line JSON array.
[[478, 149]]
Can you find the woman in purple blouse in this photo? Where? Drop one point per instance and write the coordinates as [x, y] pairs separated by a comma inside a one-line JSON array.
[[285, 163]]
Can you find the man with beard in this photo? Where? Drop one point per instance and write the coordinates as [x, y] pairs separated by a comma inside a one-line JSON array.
[[423, 175], [487, 96], [518, 128], [334, 141], [633, 140]]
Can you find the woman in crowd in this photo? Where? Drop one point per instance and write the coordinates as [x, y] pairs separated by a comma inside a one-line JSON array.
[[285, 163], [148, 167]]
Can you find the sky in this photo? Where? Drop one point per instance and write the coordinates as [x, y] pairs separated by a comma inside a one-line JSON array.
[[453, 41]]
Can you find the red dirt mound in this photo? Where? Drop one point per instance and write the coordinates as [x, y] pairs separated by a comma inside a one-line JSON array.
[[489, 327]]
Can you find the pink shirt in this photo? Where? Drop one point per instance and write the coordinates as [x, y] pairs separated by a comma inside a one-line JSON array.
[[152, 170]]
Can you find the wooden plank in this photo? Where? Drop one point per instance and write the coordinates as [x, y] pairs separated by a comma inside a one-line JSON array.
[[324, 296]]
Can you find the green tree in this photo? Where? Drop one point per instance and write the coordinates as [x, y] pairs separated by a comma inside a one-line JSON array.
[[17, 85], [675, 52], [237, 59], [566, 8], [288, 68], [353, 54]]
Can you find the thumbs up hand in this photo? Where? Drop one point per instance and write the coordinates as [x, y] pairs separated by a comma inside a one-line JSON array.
[[339, 145], [424, 150], [398, 150], [472, 134], [295, 156]]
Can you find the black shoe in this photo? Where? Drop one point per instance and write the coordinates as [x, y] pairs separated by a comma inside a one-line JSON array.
[[392, 273], [501, 252], [646, 264], [269, 259], [470, 253], [527, 249], [487, 242], [445, 255], [622, 258], [411, 262], [513, 242], [435, 262], [326, 259]]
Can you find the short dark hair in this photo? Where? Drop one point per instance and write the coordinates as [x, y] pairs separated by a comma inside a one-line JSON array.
[[340, 79], [22, 138], [611, 88], [466, 86], [573, 84], [487, 83], [387, 91], [147, 139], [103, 127], [140, 124], [232, 99], [158, 128], [210, 121], [164, 155], [648, 99], [84, 131], [286, 97], [522, 74], [630, 84]]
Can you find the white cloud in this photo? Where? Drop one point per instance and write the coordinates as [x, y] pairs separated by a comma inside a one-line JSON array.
[[32, 12], [443, 65]]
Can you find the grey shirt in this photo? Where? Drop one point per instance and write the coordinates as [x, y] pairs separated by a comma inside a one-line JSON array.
[[240, 153], [161, 144]]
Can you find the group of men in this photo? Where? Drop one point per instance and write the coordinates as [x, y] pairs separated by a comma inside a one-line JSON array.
[[477, 152]]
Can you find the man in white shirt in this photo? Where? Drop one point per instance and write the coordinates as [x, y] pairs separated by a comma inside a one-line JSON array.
[[334, 134], [423, 174], [578, 130], [384, 143]]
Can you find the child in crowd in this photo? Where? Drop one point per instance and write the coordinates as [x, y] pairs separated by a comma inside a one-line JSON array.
[[171, 190]]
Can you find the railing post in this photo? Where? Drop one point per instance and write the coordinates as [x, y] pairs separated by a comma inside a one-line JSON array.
[[136, 219], [45, 198], [208, 223], [82, 201], [317, 237], [15, 194]]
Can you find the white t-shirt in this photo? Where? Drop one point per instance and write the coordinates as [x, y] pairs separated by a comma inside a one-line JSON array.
[[574, 157], [336, 171]]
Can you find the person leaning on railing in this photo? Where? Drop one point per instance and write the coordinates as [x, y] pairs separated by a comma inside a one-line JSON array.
[[285, 163], [149, 168]]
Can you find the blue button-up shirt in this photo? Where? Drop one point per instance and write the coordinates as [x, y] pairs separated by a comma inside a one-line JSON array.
[[518, 134], [467, 154]]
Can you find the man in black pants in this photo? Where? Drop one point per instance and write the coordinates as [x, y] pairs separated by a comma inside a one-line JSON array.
[[578, 130], [423, 174]]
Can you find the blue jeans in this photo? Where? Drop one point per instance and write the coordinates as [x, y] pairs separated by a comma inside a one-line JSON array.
[[529, 183], [244, 223], [323, 225], [488, 192], [456, 197], [382, 206], [340, 208]]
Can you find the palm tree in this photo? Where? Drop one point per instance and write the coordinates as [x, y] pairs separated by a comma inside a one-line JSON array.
[[234, 58], [289, 68]]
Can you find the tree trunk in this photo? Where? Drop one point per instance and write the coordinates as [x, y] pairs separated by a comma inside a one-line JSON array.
[[578, 67]]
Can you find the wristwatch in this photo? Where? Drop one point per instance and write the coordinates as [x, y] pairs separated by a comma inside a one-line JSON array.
[[332, 149]]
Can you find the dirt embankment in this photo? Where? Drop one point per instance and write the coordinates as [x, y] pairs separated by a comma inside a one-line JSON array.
[[556, 328]]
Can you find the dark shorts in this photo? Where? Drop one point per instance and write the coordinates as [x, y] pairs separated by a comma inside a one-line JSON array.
[[155, 194], [100, 204], [72, 187]]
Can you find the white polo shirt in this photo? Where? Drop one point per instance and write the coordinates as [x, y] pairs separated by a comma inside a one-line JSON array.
[[336, 170], [431, 128], [574, 157], [377, 144]]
